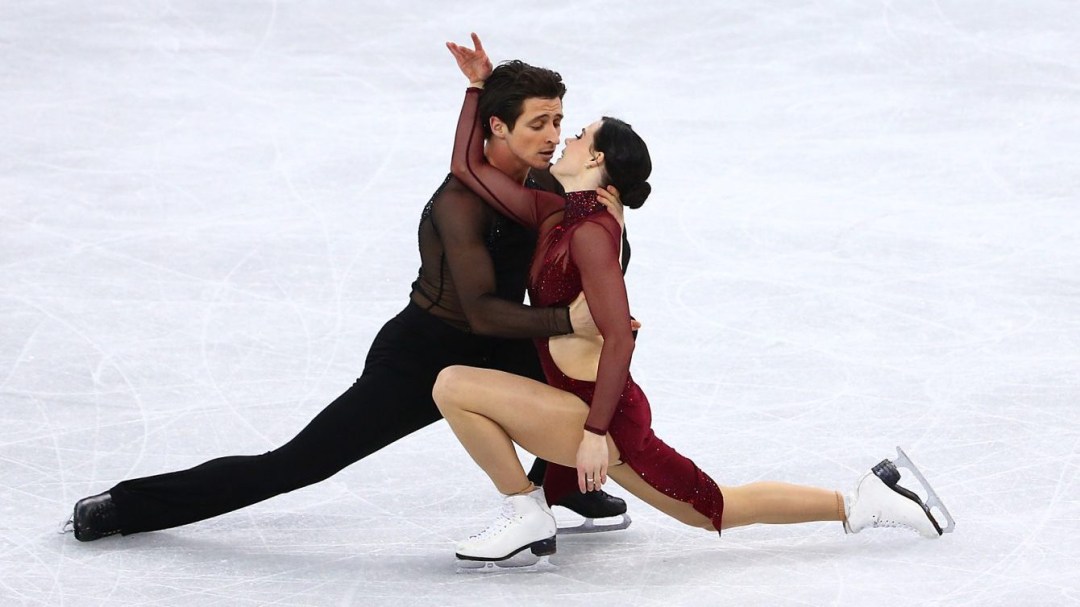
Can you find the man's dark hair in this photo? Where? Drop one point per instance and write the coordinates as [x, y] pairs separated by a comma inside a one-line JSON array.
[[509, 85]]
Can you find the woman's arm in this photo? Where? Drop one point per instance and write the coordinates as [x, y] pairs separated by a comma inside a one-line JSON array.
[[594, 249], [526, 206], [468, 163]]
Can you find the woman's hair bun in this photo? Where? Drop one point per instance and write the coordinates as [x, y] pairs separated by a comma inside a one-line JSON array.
[[636, 195]]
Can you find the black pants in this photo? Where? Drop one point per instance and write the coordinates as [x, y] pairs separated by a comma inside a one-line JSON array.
[[391, 399]]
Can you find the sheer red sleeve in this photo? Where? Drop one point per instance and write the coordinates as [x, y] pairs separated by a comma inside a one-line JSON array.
[[526, 206], [459, 216], [594, 248]]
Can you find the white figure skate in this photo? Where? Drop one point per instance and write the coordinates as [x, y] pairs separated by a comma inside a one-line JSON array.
[[525, 522], [880, 501]]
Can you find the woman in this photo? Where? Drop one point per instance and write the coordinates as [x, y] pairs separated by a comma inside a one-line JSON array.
[[592, 414]]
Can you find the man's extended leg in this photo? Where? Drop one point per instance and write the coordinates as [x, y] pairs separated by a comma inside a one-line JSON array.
[[356, 424], [390, 400]]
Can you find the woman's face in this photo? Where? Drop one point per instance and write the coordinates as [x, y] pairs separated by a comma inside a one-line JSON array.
[[577, 153]]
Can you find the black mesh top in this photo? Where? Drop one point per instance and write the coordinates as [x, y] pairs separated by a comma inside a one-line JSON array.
[[474, 265]]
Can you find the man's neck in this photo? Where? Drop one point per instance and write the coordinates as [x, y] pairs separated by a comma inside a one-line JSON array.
[[503, 159]]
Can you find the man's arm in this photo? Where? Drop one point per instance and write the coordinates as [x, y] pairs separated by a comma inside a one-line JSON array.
[[461, 219]]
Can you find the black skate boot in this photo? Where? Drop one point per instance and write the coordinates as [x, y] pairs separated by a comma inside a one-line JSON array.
[[595, 505], [95, 517]]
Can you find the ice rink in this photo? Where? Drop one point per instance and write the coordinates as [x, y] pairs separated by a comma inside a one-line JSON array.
[[864, 232]]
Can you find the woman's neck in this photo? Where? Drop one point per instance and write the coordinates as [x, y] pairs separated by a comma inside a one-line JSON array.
[[578, 183]]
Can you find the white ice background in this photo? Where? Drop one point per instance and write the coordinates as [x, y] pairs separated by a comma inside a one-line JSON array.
[[864, 232]]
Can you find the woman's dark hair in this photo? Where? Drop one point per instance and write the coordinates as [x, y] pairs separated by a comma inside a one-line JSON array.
[[626, 160], [509, 85]]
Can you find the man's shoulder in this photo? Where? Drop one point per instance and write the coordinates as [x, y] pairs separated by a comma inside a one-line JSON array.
[[456, 190], [456, 193], [457, 205]]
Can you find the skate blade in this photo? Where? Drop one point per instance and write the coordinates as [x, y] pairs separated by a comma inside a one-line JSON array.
[[933, 502], [522, 562], [590, 525], [67, 526]]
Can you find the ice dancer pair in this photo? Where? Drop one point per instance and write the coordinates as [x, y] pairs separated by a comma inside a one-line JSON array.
[[591, 414]]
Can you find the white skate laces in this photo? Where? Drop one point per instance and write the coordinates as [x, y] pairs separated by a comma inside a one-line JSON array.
[[505, 519], [880, 501]]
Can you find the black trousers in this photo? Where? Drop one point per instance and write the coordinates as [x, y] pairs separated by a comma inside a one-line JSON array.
[[391, 399]]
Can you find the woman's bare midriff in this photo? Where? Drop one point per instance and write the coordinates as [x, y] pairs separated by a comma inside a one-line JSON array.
[[578, 357]]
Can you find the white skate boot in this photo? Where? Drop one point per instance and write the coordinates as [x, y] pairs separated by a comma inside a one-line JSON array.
[[525, 522], [879, 501]]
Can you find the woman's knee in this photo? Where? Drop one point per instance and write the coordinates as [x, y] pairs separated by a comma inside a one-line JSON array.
[[450, 387]]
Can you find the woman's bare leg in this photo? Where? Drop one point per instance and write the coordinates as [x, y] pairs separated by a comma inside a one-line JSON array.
[[681, 511], [779, 504], [487, 409], [764, 502]]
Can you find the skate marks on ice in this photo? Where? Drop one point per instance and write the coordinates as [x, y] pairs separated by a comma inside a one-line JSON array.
[[863, 231]]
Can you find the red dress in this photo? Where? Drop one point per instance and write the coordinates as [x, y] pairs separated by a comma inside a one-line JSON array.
[[578, 251]]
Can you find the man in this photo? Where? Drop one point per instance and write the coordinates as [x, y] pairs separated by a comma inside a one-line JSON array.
[[465, 309]]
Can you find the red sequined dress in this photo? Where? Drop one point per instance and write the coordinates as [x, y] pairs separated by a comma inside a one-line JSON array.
[[578, 251]]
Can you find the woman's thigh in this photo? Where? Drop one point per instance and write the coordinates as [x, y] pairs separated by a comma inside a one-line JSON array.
[[545, 421]]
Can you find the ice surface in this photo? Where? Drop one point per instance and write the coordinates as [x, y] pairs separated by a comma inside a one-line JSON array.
[[863, 233]]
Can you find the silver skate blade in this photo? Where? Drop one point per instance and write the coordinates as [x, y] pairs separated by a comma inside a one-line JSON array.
[[67, 526], [932, 499], [590, 525], [522, 562]]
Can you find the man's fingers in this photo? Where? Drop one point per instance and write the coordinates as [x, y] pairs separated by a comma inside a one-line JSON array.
[[476, 42]]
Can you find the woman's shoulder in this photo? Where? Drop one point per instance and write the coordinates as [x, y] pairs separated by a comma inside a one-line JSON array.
[[604, 218], [597, 223]]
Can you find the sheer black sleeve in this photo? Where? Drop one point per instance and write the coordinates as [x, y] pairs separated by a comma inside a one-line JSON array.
[[594, 248], [462, 219], [524, 205]]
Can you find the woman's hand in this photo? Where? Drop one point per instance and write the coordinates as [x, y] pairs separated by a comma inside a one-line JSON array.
[[474, 63], [592, 462], [609, 197]]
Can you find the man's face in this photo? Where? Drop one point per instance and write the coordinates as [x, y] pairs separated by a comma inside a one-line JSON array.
[[536, 133]]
